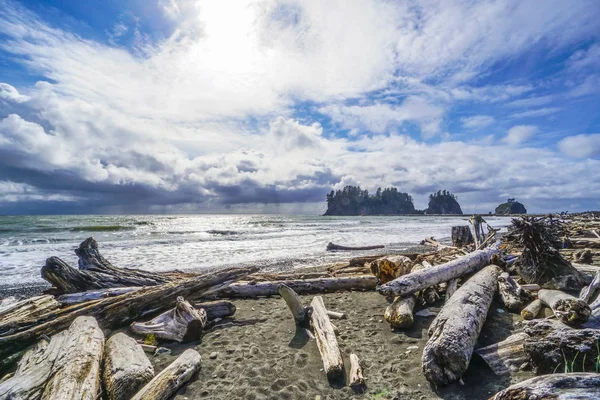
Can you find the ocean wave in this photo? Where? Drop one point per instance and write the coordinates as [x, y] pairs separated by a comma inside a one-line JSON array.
[[222, 232], [101, 228]]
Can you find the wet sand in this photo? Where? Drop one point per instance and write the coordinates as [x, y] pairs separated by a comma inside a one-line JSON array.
[[260, 355]]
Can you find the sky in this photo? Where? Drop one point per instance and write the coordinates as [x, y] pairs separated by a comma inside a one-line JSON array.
[[192, 106]]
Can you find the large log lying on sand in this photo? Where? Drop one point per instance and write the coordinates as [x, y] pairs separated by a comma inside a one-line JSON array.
[[327, 343], [114, 312], [26, 309], [305, 286], [453, 333], [555, 387], [418, 280], [126, 367], [169, 380], [76, 371], [216, 309], [33, 370], [506, 356], [95, 272], [566, 308], [333, 246], [183, 323]]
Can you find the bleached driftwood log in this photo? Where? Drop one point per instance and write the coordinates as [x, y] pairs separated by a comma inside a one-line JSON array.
[[566, 308], [389, 268], [357, 381], [327, 343], [555, 386], [399, 314], [26, 309], [512, 294], [126, 367], [76, 371], [114, 312], [216, 309], [183, 323], [164, 385], [453, 333], [461, 236], [305, 286], [532, 310], [332, 246], [294, 303], [506, 356], [336, 315], [418, 280], [588, 292], [33, 370], [76, 298]]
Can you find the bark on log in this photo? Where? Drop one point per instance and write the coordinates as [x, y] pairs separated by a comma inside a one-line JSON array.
[[76, 371], [33, 370], [327, 343], [76, 298], [532, 310], [294, 303], [566, 308], [461, 236], [332, 246], [451, 288], [453, 333], [357, 381], [306, 286], [399, 314], [114, 312], [389, 268], [126, 367], [216, 309], [555, 387], [588, 292], [418, 280], [26, 310], [511, 293], [506, 356], [183, 323], [164, 385]]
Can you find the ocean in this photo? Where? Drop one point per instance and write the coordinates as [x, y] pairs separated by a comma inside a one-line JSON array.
[[196, 242]]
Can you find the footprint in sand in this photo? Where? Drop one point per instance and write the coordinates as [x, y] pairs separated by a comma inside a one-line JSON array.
[[301, 360]]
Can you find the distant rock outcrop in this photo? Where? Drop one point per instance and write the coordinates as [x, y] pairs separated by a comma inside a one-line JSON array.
[[511, 207], [354, 201], [443, 202]]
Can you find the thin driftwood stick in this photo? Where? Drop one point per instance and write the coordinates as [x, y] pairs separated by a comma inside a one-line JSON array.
[[506, 356], [357, 381], [532, 310], [327, 343], [336, 315], [566, 308], [164, 385], [570, 386]]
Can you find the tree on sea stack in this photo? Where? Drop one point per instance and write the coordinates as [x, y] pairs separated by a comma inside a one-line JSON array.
[[443, 202], [511, 207]]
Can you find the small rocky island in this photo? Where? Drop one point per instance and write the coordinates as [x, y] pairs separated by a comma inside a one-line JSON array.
[[511, 207], [443, 202]]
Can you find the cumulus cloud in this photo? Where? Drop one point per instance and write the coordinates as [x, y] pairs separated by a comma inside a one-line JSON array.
[[520, 133], [477, 121], [581, 145]]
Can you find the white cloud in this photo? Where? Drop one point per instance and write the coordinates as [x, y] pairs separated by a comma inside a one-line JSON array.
[[477, 121], [540, 112], [520, 133], [531, 102], [581, 146], [9, 93]]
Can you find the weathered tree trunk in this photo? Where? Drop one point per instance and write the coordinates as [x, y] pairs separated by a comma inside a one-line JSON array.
[[164, 385], [511, 293], [453, 333], [461, 236], [389, 268], [114, 312], [327, 343], [33, 370], [76, 298], [451, 288], [587, 293], [76, 371], [567, 308], [126, 367], [555, 387], [183, 323], [399, 314], [216, 309], [357, 381], [294, 303], [306, 286], [506, 356], [532, 310], [26, 310], [418, 280], [332, 246]]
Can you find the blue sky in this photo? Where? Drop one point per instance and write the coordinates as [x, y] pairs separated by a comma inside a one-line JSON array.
[[265, 105]]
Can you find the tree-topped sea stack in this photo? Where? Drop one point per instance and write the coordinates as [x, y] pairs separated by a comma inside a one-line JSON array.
[[354, 201], [511, 207], [443, 202]]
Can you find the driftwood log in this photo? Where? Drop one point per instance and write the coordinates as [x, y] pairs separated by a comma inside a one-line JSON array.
[[507, 356], [389, 268], [76, 371], [327, 343], [76, 298], [461, 236], [27, 309], [164, 385], [512, 294], [588, 292], [532, 310], [415, 281], [216, 309], [126, 367], [183, 323], [451, 288], [333, 246], [299, 311], [566, 308], [305, 286], [399, 314], [114, 312], [454, 332], [33, 370], [555, 387], [357, 381]]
